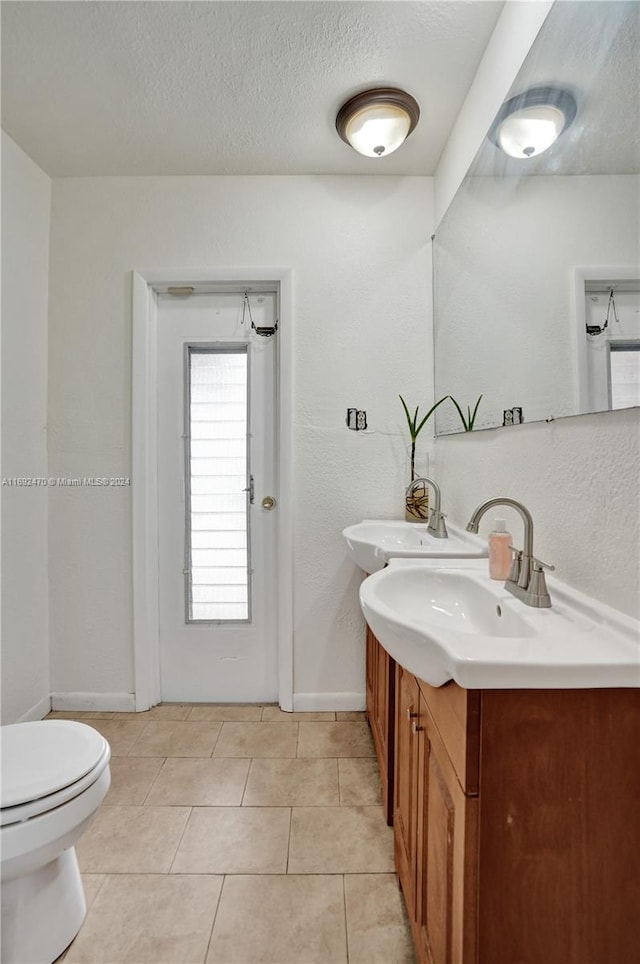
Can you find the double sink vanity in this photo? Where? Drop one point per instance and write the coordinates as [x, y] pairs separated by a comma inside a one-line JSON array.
[[507, 736]]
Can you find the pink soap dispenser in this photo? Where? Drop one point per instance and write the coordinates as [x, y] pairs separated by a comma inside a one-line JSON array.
[[499, 552]]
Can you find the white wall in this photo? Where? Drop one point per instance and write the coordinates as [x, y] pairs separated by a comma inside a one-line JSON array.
[[26, 195], [360, 252], [578, 476]]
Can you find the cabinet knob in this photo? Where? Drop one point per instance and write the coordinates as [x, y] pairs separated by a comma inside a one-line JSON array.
[[415, 728], [410, 715]]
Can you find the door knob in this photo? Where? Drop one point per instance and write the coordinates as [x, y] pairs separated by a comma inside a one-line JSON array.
[[268, 502]]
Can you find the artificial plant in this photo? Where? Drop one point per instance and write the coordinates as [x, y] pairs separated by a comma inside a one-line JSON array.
[[469, 420], [416, 427]]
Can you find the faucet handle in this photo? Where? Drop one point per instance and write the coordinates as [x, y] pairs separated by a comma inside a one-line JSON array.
[[516, 563], [537, 565], [537, 593]]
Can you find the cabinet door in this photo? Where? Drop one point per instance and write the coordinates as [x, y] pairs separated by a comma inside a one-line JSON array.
[[446, 871], [405, 818]]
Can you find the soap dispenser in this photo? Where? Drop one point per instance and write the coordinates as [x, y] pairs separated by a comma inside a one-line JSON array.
[[499, 551]]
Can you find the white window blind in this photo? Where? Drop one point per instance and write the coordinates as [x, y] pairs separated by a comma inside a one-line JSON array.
[[624, 360], [217, 473]]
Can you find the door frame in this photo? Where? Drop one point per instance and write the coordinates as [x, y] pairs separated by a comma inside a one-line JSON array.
[[582, 276], [144, 451]]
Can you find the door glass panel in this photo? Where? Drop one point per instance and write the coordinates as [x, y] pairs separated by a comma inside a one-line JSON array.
[[624, 360], [217, 535]]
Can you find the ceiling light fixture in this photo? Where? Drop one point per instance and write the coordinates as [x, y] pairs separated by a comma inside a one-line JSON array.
[[376, 122], [529, 123]]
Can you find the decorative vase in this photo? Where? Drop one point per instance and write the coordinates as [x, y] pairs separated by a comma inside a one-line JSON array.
[[416, 503]]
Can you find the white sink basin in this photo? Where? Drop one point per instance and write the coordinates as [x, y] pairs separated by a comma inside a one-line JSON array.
[[448, 620], [372, 543]]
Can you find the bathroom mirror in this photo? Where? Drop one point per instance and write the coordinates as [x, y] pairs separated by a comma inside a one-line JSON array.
[[536, 261]]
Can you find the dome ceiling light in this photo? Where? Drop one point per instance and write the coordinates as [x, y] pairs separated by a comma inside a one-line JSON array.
[[376, 122], [528, 124]]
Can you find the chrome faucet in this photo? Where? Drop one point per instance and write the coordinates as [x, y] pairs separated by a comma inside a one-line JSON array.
[[526, 580], [437, 526]]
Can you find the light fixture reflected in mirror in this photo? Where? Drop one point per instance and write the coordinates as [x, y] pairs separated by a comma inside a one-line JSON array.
[[528, 124], [376, 122]]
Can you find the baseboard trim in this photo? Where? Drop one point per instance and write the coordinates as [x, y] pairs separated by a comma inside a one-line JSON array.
[[37, 712], [329, 701], [105, 702]]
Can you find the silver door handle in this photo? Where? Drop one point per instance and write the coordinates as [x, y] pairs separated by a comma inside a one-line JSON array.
[[268, 502]]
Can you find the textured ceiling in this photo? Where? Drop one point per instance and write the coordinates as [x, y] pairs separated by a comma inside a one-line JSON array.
[[138, 88]]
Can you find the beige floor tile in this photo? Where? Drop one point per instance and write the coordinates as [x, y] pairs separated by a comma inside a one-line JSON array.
[[131, 779], [234, 840], [340, 840], [237, 713], [279, 920], [335, 740], [167, 712], [132, 840], [257, 740], [142, 717], [121, 734], [80, 715], [359, 782], [350, 715], [200, 783], [177, 739], [273, 714], [377, 926], [143, 919], [92, 884], [289, 783]]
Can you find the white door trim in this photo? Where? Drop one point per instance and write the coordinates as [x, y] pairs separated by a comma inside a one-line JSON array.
[[581, 276], [144, 468]]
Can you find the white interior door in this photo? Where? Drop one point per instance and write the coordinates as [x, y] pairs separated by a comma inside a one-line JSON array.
[[216, 464]]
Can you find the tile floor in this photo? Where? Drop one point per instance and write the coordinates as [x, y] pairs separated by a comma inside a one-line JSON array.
[[239, 835]]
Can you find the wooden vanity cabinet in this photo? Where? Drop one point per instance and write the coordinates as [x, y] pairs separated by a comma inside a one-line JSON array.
[[435, 826], [517, 823], [381, 685]]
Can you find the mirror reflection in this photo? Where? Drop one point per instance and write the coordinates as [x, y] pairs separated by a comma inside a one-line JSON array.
[[536, 262]]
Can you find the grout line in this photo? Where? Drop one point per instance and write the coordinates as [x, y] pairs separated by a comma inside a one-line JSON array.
[[154, 781], [213, 748], [339, 782], [215, 915], [344, 906], [289, 840], [184, 829], [246, 780], [140, 734]]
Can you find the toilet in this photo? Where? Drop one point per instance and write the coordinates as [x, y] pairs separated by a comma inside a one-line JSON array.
[[55, 774]]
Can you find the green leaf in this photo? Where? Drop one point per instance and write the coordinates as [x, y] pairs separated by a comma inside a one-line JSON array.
[[475, 412], [430, 413], [468, 421], [460, 413], [414, 428]]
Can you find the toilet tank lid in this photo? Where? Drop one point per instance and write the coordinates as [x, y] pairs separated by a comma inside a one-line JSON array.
[[42, 757]]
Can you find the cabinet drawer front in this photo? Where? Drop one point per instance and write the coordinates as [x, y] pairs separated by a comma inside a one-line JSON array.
[[456, 715]]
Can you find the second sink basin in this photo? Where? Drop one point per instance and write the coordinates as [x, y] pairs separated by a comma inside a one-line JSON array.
[[373, 542]]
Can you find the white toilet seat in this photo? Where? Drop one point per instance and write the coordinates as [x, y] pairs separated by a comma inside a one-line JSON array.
[[46, 764], [55, 775]]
